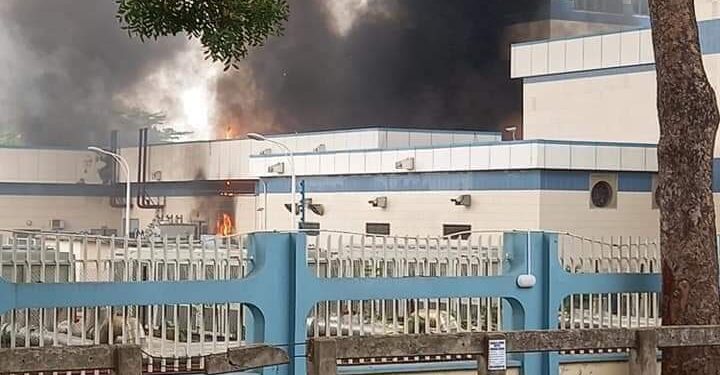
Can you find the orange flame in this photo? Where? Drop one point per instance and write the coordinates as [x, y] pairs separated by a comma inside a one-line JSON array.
[[224, 225], [229, 132]]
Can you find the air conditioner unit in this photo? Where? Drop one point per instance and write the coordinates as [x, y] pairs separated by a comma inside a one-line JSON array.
[[278, 168], [320, 148], [379, 202], [463, 200], [407, 164], [57, 224]]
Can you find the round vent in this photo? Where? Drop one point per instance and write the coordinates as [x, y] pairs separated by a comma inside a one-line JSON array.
[[601, 194]]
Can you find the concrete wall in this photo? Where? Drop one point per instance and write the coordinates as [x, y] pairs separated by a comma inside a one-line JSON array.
[[193, 161], [614, 107], [415, 213], [79, 213], [48, 165]]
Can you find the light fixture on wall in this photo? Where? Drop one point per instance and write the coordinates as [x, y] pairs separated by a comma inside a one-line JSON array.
[[317, 208], [513, 131], [462, 200], [278, 168], [407, 164], [380, 202]]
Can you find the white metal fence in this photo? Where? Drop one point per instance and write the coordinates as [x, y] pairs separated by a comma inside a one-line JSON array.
[[171, 331], [342, 254], [189, 330], [609, 255]]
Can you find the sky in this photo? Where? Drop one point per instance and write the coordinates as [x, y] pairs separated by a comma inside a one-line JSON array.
[[72, 75]]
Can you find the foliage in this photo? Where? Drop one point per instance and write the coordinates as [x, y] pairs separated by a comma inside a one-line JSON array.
[[226, 28], [11, 139]]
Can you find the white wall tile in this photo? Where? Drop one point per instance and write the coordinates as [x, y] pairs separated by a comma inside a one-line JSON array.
[[342, 162], [373, 162], [424, 160], [632, 158], [651, 162], [592, 52], [539, 58], [574, 50], [479, 157], [357, 162], [442, 159], [499, 157], [522, 60], [583, 157], [608, 158], [556, 61], [610, 50], [630, 48], [557, 156], [521, 156], [460, 158]]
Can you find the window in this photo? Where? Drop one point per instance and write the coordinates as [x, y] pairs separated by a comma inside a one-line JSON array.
[[382, 229], [450, 229], [311, 229]]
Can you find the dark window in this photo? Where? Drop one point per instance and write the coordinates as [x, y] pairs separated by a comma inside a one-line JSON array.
[[450, 229], [382, 229], [601, 194]]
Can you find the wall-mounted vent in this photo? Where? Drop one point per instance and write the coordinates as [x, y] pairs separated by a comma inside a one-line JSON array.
[[407, 164], [57, 224], [278, 168], [381, 229], [603, 190]]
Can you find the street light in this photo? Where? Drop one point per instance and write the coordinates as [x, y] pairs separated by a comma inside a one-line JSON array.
[[119, 159], [291, 158]]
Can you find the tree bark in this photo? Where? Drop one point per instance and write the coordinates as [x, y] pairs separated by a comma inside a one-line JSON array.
[[688, 115]]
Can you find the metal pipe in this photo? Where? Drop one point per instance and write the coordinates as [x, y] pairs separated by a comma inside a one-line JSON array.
[[120, 160], [291, 159]]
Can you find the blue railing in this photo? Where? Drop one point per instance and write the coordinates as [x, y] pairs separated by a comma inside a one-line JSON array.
[[281, 290]]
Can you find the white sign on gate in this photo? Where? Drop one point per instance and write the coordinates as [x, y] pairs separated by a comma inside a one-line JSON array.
[[497, 355]]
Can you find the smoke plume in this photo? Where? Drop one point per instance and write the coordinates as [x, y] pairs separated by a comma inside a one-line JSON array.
[[72, 74], [69, 62], [420, 63]]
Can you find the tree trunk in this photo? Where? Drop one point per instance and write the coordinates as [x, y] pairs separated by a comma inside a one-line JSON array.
[[688, 115]]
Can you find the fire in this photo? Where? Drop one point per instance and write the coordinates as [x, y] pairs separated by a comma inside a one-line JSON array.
[[229, 132], [224, 225]]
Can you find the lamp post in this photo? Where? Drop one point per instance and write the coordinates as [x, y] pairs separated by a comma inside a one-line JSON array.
[[120, 160], [291, 159]]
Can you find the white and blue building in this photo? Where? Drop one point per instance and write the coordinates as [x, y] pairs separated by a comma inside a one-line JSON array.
[[586, 164]]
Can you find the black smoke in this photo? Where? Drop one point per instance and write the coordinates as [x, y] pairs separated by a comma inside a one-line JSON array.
[[78, 61], [418, 63]]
